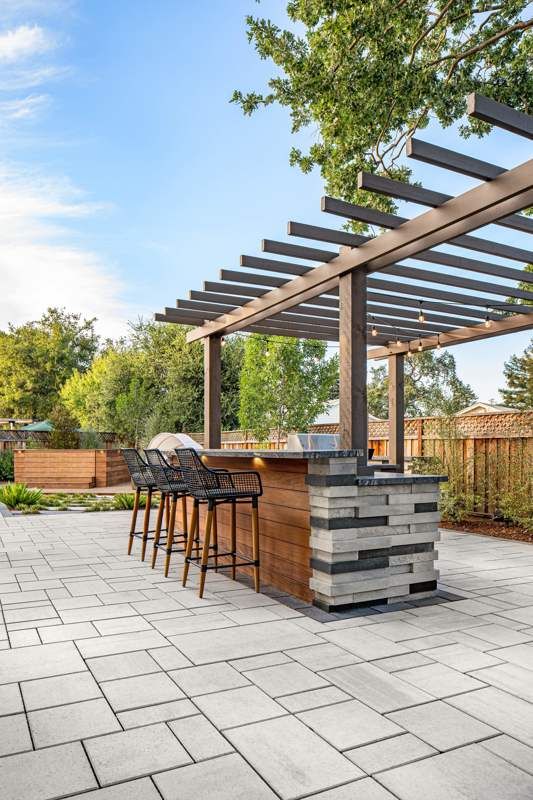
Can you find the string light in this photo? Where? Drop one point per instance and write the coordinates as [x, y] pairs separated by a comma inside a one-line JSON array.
[[409, 351], [438, 341], [398, 340], [488, 321], [421, 317], [374, 329], [419, 348]]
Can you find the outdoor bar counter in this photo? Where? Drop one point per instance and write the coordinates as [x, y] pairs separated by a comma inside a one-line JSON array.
[[331, 535]]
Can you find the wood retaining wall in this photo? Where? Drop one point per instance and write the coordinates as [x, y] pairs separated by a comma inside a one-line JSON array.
[[70, 469]]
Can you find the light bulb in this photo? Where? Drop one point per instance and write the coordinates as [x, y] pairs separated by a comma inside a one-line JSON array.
[[421, 317], [438, 341], [488, 322], [409, 352], [374, 330], [398, 342], [419, 348]]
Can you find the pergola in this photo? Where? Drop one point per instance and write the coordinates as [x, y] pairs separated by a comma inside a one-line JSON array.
[[349, 297]]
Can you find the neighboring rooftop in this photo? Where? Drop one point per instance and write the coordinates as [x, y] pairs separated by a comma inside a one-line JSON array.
[[479, 407]]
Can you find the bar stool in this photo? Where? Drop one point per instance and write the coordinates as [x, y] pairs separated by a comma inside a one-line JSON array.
[[214, 488], [144, 481], [172, 486]]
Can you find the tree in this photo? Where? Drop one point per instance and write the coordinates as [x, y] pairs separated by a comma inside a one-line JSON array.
[[64, 434], [518, 373], [285, 383], [38, 357], [151, 382], [432, 387], [366, 74], [526, 286]]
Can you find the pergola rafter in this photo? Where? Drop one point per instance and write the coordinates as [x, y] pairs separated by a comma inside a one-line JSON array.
[[337, 295]]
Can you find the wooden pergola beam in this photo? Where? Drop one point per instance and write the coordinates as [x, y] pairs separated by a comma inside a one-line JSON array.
[[439, 156], [372, 216], [519, 322], [396, 410], [488, 110]]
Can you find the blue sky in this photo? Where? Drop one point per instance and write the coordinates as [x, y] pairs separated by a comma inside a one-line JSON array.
[[127, 177]]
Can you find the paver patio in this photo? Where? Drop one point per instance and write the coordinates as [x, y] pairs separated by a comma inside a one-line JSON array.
[[118, 684]]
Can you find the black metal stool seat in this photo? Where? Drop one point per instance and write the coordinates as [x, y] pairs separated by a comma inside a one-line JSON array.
[[214, 488], [172, 487], [143, 479]]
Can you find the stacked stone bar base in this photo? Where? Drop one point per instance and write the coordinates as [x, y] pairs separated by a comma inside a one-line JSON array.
[[372, 538]]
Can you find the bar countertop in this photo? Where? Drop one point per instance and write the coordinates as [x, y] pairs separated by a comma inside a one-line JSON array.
[[310, 455]]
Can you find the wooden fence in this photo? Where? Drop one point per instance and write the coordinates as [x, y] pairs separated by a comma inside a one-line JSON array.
[[487, 454]]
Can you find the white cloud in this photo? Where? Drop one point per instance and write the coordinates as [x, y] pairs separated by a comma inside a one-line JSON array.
[[24, 42], [24, 107], [39, 267]]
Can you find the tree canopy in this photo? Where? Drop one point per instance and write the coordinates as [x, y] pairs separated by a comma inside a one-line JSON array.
[[285, 383], [364, 75], [431, 387], [38, 357], [518, 373]]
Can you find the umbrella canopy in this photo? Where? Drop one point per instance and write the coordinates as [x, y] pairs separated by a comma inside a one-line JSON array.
[[167, 442], [44, 425]]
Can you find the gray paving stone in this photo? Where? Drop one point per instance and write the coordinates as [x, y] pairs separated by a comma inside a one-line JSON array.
[[122, 665], [509, 677], [200, 738], [364, 789], [397, 663], [65, 633], [162, 712], [47, 692], [14, 734], [303, 701], [40, 661], [93, 613], [24, 638], [121, 643], [442, 726], [292, 759], [503, 711], [390, 753], [206, 679], [257, 662], [285, 679], [192, 623], [512, 751], [397, 630], [71, 722], [108, 627], [41, 775], [80, 588], [349, 724], [378, 689], [364, 643], [135, 753], [10, 699], [142, 789], [323, 656], [250, 640], [169, 657], [499, 635], [226, 778], [462, 658], [238, 707], [521, 654], [126, 694], [439, 680], [470, 772]]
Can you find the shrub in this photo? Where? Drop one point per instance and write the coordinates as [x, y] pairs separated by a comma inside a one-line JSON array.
[[516, 506], [90, 440], [17, 495], [64, 435], [124, 501], [427, 465], [6, 465]]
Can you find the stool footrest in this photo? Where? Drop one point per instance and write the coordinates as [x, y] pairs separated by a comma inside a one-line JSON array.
[[250, 563], [140, 534]]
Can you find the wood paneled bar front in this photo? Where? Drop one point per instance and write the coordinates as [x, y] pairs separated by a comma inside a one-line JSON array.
[[332, 536]]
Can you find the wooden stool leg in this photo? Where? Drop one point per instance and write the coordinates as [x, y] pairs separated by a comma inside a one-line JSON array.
[[146, 525], [134, 518], [205, 550], [255, 543], [190, 540], [184, 514], [167, 511], [233, 540], [158, 525], [215, 536], [170, 533]]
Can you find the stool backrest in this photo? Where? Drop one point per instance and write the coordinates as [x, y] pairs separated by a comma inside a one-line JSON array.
[[140, 472], [168, 477], [200, 480]]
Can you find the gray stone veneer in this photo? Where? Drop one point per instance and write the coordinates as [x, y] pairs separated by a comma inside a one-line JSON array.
[[372, 538]]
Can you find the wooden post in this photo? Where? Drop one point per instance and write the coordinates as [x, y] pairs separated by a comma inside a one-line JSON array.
[[353, 412], [212, 387], [396, 410]]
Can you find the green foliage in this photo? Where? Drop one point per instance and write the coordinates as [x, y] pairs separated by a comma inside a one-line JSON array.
[[285, 383], [524, 285], [366, 74], [64, 434], [518, 373], [427, 465], [124, 501], [17, 495], [516, 504], [38, 357], [90, 440], [151, 383], [432, 387], [6, 465]]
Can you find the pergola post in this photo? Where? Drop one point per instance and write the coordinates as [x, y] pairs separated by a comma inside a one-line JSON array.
[[212, 389], [353, 412], [396, 410]]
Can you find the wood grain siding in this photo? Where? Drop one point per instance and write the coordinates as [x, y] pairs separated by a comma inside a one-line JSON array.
[[70, 469], [284, 523]]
